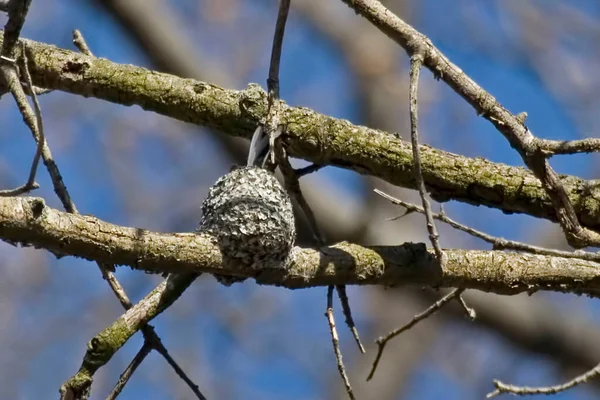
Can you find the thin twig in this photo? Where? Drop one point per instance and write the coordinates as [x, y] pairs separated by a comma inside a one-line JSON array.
[[336, 343], [292, 184], [162, 350], [341, 290], [273, 126], [471, 313], [126, 375], [32, 118], [106, 343], [55, 176], [416, 61], [382, 341], [24, 188], [40, 136], [558, 147], [80, 43], [508, 124], [33, 91], [527, 391], [273, 79], [498, 243], [300, 172]]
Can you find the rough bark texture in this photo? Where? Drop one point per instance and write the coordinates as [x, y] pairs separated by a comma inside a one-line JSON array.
[[29, 222], [310, 135]]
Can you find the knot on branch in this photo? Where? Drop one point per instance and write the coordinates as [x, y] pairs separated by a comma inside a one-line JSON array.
[[253, 102]]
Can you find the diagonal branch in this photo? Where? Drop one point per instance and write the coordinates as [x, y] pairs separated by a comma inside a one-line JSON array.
[[151, 338], [416, 62], [435, 307], [511, 126], [502, 387], [498, 243], [105, 344], [131, 368]]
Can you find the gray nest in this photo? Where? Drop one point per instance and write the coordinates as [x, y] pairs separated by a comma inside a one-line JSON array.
[[250, 215]]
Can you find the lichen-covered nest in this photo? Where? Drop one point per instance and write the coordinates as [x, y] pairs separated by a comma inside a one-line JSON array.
[[251, 217]]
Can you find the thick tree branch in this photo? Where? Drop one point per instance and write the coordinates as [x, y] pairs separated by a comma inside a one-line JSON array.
[[29, 222], [309, 135]]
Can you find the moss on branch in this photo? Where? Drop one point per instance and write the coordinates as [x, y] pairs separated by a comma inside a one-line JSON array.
[[310, 135], [28, 221]]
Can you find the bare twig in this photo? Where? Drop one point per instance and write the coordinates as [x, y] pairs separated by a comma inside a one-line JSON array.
[[382, 341], [17, 11], [163, 351], [126, 375], [556, 147], [292, 182], [151, 344], [29, 116], [471, 313], [80, 43], [528, 391], [11, 79], [498, 243], [300, 172], [511, 126], [336, 343], [106, 343], [416, 61], [273, 80], [24, 188], [40, 136], [273, 122], [341, 290]]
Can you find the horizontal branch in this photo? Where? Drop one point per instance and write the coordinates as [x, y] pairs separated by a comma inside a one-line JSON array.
[[312, 136], [29, 222]]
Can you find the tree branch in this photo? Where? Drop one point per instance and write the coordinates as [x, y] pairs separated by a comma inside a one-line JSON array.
[[105, 344], [29, 222], [310, 135], [511, 126]]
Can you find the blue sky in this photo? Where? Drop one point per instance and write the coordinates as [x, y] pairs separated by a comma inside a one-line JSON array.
[[314, 75]]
